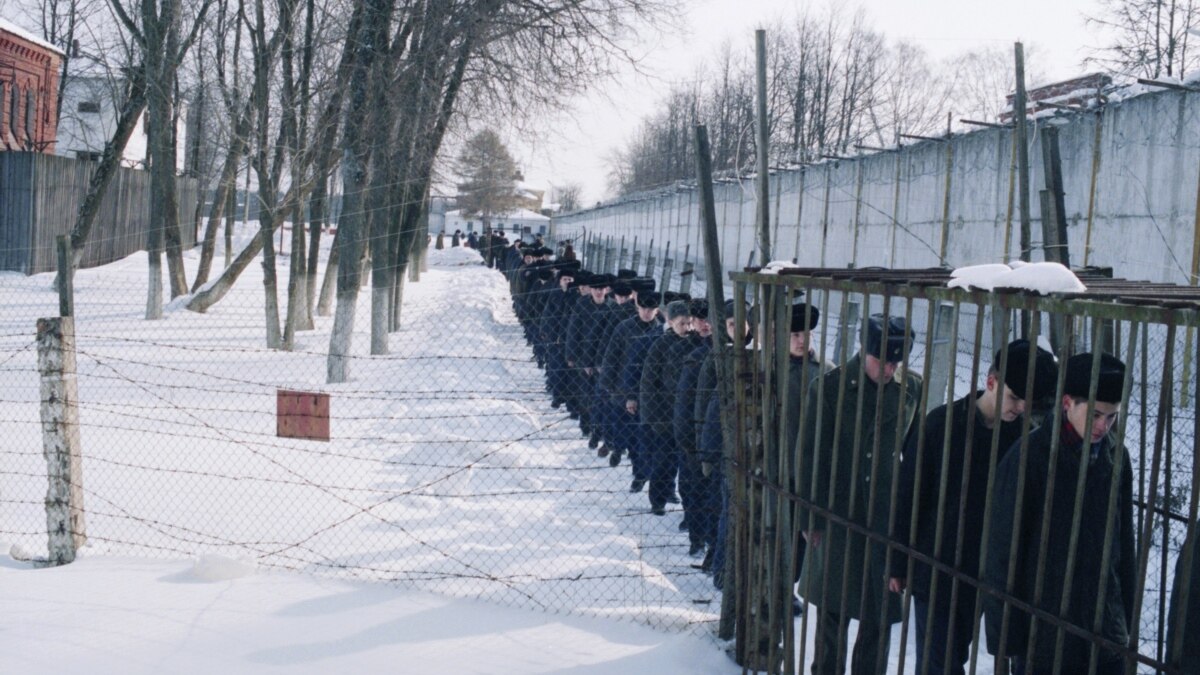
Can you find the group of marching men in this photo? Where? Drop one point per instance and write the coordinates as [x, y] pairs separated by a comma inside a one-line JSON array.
[[633, 367], [637, 369]]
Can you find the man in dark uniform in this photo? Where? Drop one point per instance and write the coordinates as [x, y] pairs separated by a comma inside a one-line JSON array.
[[621, 307], [711, 443], [583, 350], [1084, 445], [553, 328], [685, 426], [624, 358], [944, 616], [656, 404], [804, 366], [851, 456]]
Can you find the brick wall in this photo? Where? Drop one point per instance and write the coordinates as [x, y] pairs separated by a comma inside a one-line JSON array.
[[29, 75]]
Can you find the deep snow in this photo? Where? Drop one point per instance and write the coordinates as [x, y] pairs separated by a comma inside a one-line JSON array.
[[124, 615]]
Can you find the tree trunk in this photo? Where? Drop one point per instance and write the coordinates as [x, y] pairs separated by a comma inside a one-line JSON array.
[[226, 185], [154, 288], [370, 41], [162, 45], [331, 276], [316, 209], [202, 300], [270, 282], [230, 219], [131, 110]]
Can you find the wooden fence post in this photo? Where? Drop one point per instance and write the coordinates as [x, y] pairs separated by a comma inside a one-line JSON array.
[[60, 438], [66, 277]]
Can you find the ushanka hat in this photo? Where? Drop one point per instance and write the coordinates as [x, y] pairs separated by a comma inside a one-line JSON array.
[[602, 281], [805, 317], [700, 308], [622, 288], [648, 300], [678, 308], [1110, 386], [1016, 374], [626, 274], [642, 284], [898, 338]]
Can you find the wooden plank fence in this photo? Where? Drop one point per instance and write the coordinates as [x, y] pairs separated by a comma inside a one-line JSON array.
[[40, 196]]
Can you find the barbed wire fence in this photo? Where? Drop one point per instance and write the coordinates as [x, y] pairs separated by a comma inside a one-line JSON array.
[[446, 469]]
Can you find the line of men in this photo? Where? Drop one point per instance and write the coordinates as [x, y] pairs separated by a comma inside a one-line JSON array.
[[942, 511], [634, 367], [643, 385]]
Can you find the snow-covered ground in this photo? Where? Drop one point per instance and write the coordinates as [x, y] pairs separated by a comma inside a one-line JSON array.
[[129, 616]]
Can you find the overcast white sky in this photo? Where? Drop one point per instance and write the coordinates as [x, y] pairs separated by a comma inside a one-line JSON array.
[[575, 147]]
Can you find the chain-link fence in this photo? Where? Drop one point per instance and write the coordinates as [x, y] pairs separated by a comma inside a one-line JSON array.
[[446, 468]]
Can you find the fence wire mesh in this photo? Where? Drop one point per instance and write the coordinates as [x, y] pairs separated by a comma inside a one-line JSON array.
[[446, 469]]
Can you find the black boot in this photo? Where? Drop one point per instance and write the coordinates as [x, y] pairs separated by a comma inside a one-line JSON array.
[[615, 458]]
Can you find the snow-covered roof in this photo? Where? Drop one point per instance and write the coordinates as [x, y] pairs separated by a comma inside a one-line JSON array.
[[11, 27], [518, 214]]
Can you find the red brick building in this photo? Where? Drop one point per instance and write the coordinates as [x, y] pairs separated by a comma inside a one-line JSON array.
[[29, 72]]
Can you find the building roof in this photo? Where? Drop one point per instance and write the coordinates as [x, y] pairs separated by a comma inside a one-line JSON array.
[[10, 27]]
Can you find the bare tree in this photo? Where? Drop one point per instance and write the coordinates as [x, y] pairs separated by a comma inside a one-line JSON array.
[[158, 32], [569, 197], [1151, 38]]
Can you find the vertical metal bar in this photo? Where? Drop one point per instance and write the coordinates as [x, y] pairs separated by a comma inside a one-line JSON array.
[[912, 515], [833, 477], [968, 461], [737, 525], [1077, 510], [943, 483], [810, 488], [855, 453], [1010, 579], [993, 460], [902, 423], [1164, 405], [1121, 462], [1185, 567]]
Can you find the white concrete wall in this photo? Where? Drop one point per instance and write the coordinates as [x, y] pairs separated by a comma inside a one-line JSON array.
[[1145, 200]]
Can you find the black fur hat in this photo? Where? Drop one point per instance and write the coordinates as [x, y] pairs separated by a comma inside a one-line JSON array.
[[649, 299], [805, 317], [1109, 388], [1045, 370], [898, 338]]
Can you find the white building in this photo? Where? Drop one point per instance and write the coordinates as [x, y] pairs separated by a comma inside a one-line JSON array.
[[528, 223], [90, 107]]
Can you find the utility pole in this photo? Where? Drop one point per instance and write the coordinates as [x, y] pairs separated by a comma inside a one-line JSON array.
[[1022, 153], [764, 208]]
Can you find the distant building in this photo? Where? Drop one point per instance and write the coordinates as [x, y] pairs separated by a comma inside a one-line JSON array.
[[29, 71], [1079, 92], [91, 105], [529, 197], [528, 224]]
